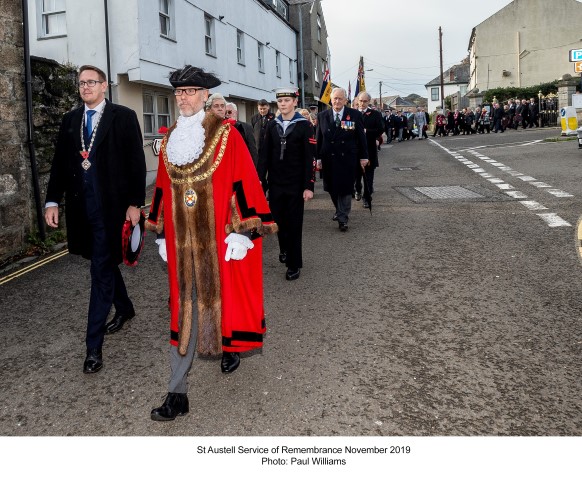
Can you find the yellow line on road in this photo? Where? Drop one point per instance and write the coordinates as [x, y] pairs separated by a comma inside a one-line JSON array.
[[40, 263], [32, 267]]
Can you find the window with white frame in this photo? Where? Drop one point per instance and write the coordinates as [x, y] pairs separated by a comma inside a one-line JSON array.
[[52, 16], [209, 46], [240, 47], [319, 27], [434, 94], [291, 71], [261, 56], [278, 63], [316, 70], [156, 112], [167, 18]]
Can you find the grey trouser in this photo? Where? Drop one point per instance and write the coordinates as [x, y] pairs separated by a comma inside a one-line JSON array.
[[343, 206], [181, 364]]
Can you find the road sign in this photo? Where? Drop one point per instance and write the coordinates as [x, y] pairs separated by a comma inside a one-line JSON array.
[[578, 67], [576, 55]]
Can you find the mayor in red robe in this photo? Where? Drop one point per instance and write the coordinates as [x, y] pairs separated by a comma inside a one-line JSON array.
[[210, 208]]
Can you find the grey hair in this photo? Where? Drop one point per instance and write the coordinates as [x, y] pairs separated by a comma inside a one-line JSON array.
[[214, 96], [232, 105], [343, 90], [365, 93]]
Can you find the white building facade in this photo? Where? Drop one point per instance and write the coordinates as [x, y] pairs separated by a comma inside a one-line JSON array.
[[525, 43], [248, 44]]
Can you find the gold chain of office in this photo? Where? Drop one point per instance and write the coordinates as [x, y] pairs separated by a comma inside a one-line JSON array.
[[223, 131]]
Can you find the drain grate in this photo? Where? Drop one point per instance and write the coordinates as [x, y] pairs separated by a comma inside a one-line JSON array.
[[452, 192], [405, 169], [470, 193]]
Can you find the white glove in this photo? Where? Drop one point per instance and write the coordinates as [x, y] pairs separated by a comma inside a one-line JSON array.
[[162, 249], [237, 246]]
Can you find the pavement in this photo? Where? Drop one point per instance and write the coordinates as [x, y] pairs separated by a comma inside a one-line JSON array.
[[430, 317]]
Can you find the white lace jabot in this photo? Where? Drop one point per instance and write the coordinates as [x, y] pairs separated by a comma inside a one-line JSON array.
[[186, 142]]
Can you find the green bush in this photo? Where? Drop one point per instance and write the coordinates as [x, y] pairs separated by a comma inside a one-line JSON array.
[[504, 94]]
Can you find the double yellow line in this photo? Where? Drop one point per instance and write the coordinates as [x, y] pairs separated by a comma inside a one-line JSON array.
[[40, 263], [32, 267]]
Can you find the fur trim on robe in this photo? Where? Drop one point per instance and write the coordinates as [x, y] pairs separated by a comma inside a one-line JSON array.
[[195, 242]]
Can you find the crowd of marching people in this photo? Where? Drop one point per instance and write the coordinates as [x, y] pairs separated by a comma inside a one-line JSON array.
[[403, 125]]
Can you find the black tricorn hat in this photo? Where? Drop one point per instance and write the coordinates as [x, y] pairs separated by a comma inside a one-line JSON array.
[[190, 76]]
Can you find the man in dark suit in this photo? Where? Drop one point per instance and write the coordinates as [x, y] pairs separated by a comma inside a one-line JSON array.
[[259, 123], [341, 145], [99, 167], [374, 126]]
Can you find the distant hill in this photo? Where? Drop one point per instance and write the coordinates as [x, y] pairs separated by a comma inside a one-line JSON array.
[[417, 100]]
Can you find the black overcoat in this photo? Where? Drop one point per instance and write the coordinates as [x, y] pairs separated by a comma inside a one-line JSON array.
[[295, 172], [119, 160], [374, 126], [340, 149]]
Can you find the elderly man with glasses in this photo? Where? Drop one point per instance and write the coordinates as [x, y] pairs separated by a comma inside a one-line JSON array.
[[244, 129], [210, 205]]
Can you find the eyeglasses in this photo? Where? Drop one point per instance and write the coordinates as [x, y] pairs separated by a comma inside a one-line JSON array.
[[188, 91], [89, 83], [229, 111]]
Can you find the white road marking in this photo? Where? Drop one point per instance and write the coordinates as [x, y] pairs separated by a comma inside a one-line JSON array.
[[553, 220], [533, 205], [558, 193], [540, 184], [516, 194]]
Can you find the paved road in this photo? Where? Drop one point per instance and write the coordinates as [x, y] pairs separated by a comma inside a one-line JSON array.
[[452, 316]]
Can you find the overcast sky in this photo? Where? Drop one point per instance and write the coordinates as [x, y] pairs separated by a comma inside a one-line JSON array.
[[399, 39]]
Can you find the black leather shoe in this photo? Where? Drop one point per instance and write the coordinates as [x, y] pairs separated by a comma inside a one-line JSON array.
[[174, 405], [230, 362], [283, 257], [343, 226], [93, 361], [334, 218], [292, 273], [118, 320], [358, 196], [366, 204]]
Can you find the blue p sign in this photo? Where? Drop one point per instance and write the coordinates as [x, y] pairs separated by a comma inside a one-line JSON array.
[[576, 55]]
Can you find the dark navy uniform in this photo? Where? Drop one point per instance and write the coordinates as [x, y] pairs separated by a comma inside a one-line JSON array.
[[287, 168]]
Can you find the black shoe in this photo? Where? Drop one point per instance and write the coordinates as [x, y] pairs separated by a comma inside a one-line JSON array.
[[343, 226], [118, 320], [283, 257], [366, 204], [93, 361], [334, 218], [358, 196], [230, 362], [292, 273], [174, 405]]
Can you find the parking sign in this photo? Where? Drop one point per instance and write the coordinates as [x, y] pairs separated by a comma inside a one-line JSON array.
[[576, 55]]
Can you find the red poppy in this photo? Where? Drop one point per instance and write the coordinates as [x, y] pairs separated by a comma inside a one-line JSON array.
[[163, 130]]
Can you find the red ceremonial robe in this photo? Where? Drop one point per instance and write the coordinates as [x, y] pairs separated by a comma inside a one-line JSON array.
[[197, 206]]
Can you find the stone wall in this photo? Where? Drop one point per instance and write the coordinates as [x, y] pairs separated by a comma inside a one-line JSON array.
[[54, 93], [15, 188]]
